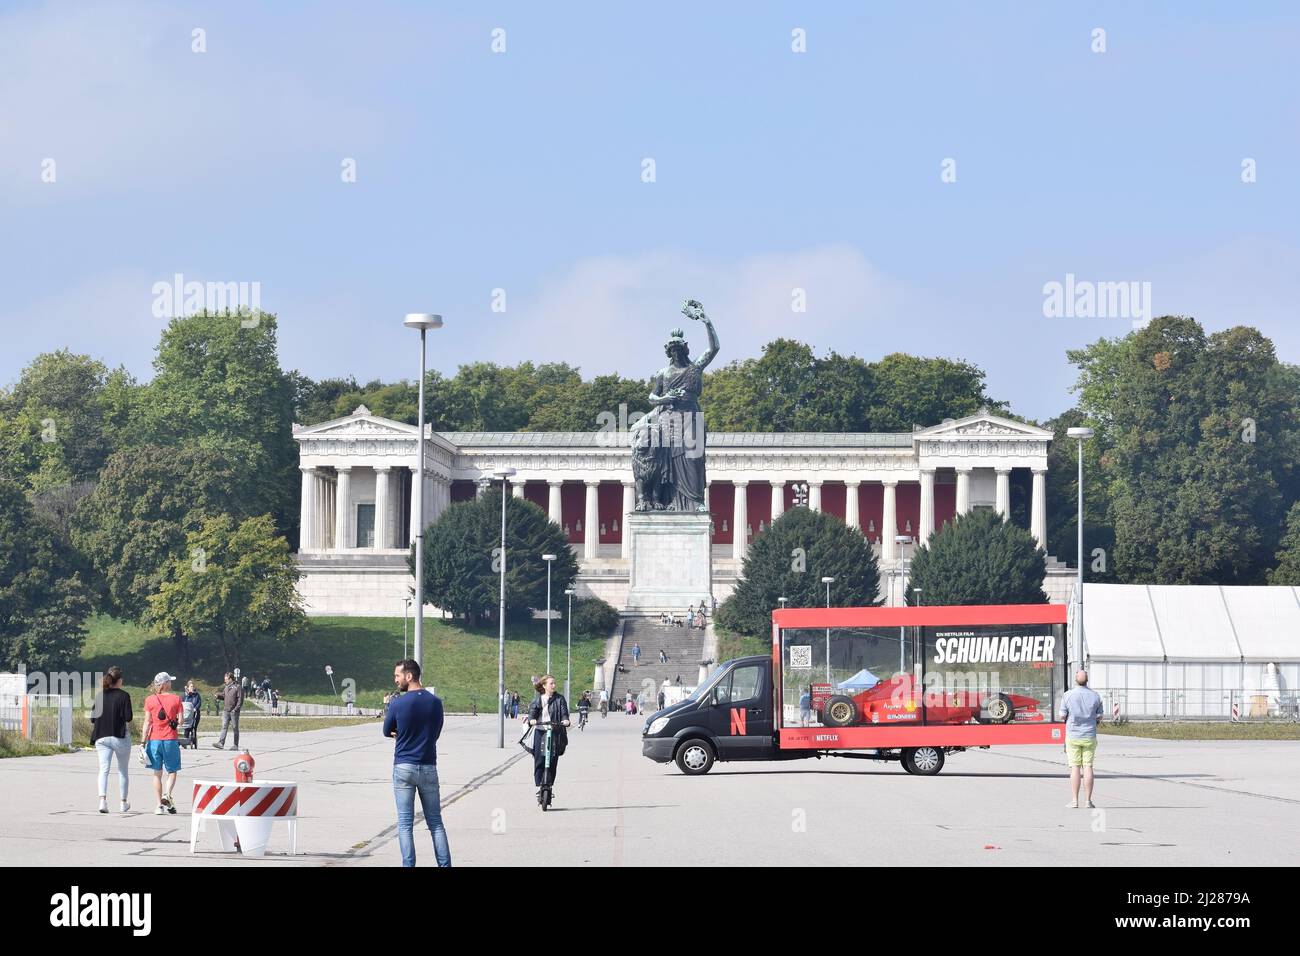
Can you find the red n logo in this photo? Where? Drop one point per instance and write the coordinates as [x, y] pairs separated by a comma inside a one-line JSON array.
[[738, 720]]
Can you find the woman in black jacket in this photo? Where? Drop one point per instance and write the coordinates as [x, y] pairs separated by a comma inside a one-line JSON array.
[[111, 735], [547, 706]]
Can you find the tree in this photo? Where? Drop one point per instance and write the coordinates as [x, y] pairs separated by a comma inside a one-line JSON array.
[[594, 617], [1197, 439], [236, 582], [218, 385], [62, 419], [924, 391], [1287, 569], [462, 548], [789, 560], [136, 520], [43, 601], [314, 402], [979, 559]]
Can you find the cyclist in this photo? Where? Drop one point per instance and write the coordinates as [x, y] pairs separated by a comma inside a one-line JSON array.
[[584, 708], [547, 706], [604, 703]]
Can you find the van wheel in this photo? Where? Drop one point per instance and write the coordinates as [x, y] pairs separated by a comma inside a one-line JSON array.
[[840, 711], [923, 761], [695, 757], [1000, 709]]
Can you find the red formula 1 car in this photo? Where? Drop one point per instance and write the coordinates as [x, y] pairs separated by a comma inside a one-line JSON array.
[[897, 701]]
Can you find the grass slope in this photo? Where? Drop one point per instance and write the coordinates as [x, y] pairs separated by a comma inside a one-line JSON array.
[[460, 662]]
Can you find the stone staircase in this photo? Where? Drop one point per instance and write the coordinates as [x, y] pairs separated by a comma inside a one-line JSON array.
[[684, 647]]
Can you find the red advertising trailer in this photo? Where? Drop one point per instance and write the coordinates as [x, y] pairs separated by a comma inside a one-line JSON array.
[[911, 684]]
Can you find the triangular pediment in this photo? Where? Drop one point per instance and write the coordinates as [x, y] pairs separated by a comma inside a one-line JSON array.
[[983, 425], [359, 423]]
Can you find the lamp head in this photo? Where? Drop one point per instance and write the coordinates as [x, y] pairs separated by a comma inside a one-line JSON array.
[[504, 473], [1079, 432], [422, 321], [548, 557], [828, 580]]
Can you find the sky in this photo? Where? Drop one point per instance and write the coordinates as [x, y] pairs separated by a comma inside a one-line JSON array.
[[865, 177]]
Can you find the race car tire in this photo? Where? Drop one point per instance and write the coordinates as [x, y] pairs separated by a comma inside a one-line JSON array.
[[840, 711], [695, 757], [923, 761], [906, 764], [1000, 709]]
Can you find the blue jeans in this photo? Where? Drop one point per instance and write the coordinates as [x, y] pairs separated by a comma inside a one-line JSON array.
[[408, 778]]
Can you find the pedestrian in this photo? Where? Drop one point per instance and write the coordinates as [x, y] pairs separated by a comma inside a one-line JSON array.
[[1081, 709], [111, 735], [414, 720], [661, 700], [162, 712], [805, 708], [551, 707], [679, 680], [514, 706], [191, 710], [690, 616], [636, 654], [350, 700], [232, 697], [663, 658], [505, 703]]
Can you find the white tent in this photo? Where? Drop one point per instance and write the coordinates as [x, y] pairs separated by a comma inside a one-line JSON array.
[[1193, 651]]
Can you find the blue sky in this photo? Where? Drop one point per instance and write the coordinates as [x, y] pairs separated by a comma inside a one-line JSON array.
[[521, 171]]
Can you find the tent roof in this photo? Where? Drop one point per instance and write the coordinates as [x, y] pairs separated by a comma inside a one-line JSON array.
[[1140, 622]]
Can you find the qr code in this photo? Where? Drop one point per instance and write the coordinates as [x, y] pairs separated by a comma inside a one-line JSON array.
[[801, 655]]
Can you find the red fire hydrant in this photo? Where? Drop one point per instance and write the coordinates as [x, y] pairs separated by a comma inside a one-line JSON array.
[[244, 764]]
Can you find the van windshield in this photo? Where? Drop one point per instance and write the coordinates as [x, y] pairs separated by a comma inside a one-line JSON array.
[[709, 681]]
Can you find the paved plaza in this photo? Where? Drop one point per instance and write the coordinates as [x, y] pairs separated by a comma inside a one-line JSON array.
[[1162, 803]]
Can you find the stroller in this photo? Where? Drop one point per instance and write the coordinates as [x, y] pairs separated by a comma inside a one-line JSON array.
[[189, 735]]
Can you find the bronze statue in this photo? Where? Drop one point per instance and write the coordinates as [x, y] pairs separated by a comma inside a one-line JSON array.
[[668, 442]]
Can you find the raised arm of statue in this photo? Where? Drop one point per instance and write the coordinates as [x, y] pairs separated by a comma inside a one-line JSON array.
[[693, 310]]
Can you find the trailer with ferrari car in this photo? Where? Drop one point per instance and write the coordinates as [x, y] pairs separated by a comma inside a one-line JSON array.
[[907, 684]]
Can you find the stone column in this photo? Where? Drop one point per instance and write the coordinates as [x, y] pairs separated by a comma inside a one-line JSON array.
[[851, 504], [415, 507], [778, 498], [815, 496], [1003, 499], [1038, 509], [629, 503], [591, 522], [382, 524], [517, 488], [554, 507], [739, 520], [307, 511], [889, 524], [708, 483], [927, 507], [327, 515], [342, 501], [963, 490]]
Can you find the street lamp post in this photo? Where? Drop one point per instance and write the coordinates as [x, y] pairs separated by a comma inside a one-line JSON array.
[[828, 581], [548, 558], [1077, 647], [504, 474], [406, 612], [568, 666], [422, 321]]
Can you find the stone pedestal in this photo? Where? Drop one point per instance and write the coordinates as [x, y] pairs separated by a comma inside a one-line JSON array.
[[670, 564]]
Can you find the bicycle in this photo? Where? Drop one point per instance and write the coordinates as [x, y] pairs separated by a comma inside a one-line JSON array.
[[582, 719]]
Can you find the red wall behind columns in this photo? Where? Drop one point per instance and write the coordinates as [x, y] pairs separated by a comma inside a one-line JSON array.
[[759, 503], [871, 505], [573, 506], [609, 497], [538, 493], [908, 502], [833, 496], [945, 504], [462, 490], [722, 503]]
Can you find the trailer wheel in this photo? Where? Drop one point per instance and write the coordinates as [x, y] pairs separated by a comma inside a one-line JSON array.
[[840, 711], [695, 757], [1000, 709], [923, 761]]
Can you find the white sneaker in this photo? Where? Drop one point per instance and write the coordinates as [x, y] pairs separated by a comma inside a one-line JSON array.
[[103, 805], [1072, 805], [1091, 805], [125, 806], [159, 811]]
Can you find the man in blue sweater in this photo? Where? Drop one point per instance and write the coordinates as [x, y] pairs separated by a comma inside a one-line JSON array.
[[415, 719]]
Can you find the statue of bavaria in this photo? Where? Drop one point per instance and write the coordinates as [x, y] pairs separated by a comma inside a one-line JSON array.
[[668, 441]]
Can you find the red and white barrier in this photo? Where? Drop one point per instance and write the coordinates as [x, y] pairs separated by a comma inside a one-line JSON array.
[[245, 811]]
